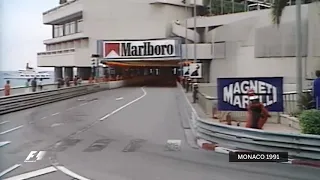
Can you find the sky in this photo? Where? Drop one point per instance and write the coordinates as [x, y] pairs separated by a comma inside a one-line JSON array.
[[22, 32]]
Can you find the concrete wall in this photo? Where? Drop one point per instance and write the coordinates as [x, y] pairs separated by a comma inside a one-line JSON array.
[[255, 47], [128, 19]]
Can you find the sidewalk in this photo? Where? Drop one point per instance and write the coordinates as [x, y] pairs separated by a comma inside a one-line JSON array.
[[272, 127]]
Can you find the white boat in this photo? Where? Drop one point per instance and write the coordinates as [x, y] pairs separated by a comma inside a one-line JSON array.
[[28, 73]]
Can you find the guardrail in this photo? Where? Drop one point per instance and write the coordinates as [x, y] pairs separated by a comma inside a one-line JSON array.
[[297, 145], [23, 101]]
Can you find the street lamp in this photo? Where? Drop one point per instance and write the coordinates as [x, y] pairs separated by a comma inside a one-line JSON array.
[[195, 30], [299, 50]]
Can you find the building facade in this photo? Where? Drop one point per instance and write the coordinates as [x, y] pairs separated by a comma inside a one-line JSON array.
[[229, 45]]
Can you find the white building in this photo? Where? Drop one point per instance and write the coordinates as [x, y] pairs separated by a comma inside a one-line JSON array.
[[232, 45]]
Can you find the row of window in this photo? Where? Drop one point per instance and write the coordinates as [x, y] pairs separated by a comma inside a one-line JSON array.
[[68, 28]]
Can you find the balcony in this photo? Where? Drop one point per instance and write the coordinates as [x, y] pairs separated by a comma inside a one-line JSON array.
[[56, 58], [65, 38], [64, 58], [64, 12]]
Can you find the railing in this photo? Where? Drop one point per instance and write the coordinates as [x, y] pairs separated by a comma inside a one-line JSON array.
[[28, 100], [62, 51], [297, 145], [207, 103], [56, 8]]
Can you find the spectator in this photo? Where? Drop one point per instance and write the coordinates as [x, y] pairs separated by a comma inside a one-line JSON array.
[[27, 86], [7, 88], [79, 81], [316, 90], [40, 85], [34, 84], [67, 81], [75, 80], [59, 83]]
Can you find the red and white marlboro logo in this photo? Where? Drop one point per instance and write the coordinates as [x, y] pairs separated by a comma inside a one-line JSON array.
[[140, 49]]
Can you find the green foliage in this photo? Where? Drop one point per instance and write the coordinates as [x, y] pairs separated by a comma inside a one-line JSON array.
[[277, 10], [306, 101], [279, 6], [310, 121]]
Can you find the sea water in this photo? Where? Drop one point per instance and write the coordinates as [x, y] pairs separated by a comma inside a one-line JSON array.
[[20, 82]]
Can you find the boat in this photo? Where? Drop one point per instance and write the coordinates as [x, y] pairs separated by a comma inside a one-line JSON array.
[[28, 73]]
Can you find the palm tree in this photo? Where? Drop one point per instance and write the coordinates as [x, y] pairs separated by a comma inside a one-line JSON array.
[[278, 8]]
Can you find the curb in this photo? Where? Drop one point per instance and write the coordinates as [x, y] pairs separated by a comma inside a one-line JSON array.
[[207, 145]]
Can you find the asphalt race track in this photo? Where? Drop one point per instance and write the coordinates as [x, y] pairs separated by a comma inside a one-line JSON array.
[[119, 135]]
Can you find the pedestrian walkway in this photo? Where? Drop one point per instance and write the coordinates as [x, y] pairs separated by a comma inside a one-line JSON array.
[[24, 90], [272, 127]]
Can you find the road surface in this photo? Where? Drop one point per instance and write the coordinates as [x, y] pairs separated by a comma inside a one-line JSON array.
[[119, 134]]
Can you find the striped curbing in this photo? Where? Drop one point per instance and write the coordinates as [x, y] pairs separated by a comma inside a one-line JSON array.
[[207, 145]]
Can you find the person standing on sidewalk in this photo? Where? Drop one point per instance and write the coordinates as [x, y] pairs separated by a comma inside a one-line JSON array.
[[27, 86], [34, 84], [40, 84], [7, 88], [316, 90]]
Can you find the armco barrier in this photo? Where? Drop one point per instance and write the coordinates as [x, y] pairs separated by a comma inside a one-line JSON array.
[[297, 145], [23, 101]]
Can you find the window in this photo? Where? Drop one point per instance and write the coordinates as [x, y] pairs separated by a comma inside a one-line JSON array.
[[55, 31], [79, 25], [67, 29], [72, 27], [58, 31]]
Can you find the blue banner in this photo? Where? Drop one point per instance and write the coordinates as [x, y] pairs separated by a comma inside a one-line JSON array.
[[233, 93]]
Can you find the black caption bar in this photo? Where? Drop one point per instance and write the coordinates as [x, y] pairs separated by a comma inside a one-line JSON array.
[[258, 156]]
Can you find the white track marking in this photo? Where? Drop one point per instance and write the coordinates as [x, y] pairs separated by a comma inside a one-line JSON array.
[[119, 98], [6, 171], [4, 122], [128, 104], [55, 114], [7, 131], [83, 104], [33, 174], [56, 124], [70, 108], [44, 118], [3, 143], [70, 173]]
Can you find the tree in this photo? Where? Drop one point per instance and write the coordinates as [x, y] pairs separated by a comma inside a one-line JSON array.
[[278, 7], [277, 10]]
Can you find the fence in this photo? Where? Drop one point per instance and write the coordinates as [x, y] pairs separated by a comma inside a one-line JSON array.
[[207, 103]]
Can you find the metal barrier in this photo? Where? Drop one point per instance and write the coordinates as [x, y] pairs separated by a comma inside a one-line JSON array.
[[24, 101], [297, 145]]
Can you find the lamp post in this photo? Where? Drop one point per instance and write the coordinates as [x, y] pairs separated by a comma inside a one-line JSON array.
[[195, 30], [298, 51]]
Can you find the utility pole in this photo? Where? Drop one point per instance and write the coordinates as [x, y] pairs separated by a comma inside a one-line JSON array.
[[195, 31], [186, 35], [298, 52]]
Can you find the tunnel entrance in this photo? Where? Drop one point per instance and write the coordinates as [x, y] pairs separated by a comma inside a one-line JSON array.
[[145, 73]]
